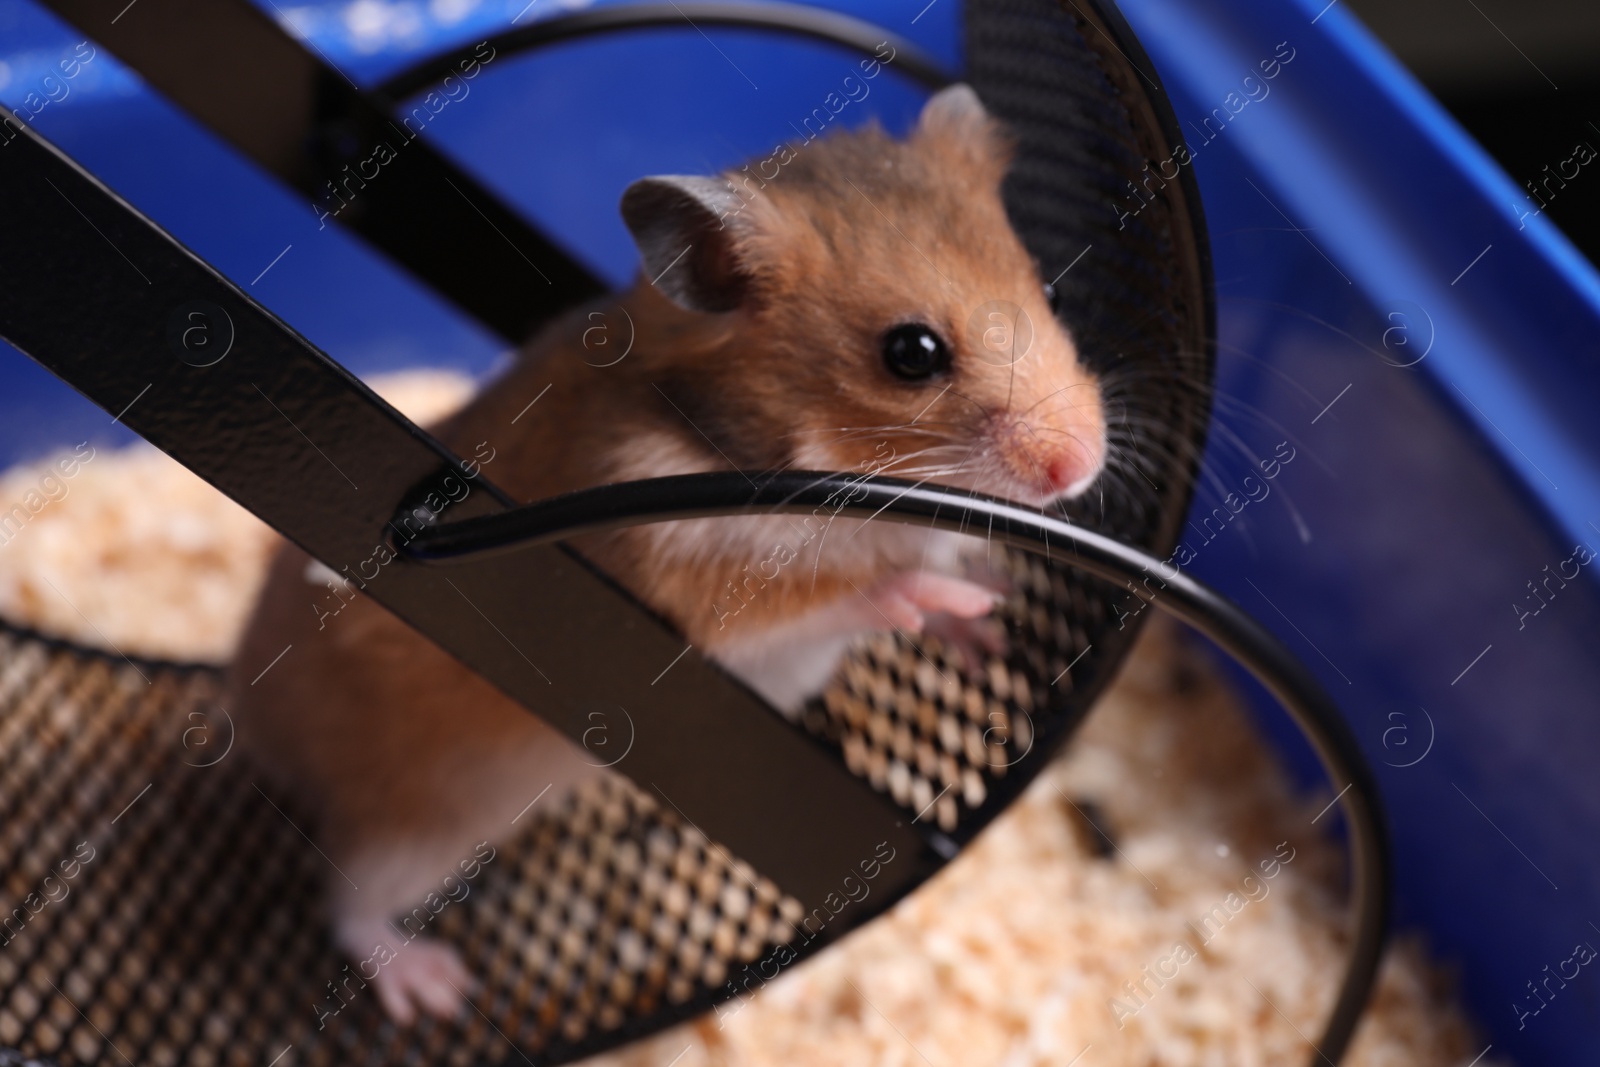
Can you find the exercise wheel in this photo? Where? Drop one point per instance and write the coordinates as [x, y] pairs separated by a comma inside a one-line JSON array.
[[736, 843]]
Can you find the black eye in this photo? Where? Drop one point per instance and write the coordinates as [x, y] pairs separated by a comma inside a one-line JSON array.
[[915, 353], [1053, 298]]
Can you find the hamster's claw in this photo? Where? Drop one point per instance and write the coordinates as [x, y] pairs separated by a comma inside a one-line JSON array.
[[428, 974]]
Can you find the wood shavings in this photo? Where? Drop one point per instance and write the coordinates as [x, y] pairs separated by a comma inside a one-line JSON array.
[[1027, 950]]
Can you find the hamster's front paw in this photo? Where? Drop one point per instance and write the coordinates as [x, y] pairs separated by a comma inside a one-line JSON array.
[[908, 598], [958, 612], [425, 973], [791, 662]]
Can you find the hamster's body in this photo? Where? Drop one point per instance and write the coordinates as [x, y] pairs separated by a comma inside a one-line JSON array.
[[837, 317]]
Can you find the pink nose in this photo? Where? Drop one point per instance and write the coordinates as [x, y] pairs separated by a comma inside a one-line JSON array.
[[1073, 467], [1052, 464]]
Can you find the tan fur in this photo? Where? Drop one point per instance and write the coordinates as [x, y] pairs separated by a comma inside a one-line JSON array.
[[407, 754]]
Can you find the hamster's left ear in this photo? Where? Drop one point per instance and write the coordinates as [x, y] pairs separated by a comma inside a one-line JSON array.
[[683, 227]]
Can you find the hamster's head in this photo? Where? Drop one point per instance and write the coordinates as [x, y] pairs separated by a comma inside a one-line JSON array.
[[863, 304]]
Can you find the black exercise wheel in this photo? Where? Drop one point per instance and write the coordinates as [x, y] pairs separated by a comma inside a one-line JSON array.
[[639, 904]]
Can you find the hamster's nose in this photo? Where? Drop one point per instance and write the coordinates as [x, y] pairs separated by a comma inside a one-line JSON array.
[[1050, 462], [1055, 468], [1073, 466]]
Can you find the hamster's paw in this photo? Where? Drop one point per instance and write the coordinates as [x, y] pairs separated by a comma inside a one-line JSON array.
[[425, 974], [908, 598]]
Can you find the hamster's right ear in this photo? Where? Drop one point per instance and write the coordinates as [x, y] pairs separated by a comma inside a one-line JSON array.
[[956, 125], [683, 227], [956, 108]]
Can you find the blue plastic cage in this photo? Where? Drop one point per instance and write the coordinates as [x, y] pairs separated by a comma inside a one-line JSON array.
[[1392, 307]]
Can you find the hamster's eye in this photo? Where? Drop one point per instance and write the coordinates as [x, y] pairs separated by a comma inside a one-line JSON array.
[[915, 353], [1053, 298]]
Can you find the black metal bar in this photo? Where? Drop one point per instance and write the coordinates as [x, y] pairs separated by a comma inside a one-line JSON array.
[[361, 164], [692, 496], [107, 301], [794, 19]]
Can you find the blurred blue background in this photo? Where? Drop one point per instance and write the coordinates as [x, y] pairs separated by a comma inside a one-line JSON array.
[[1388, 306]]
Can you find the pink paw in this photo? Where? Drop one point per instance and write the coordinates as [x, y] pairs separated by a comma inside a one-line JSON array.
[[425, 973], [955, 611], [907, 599]]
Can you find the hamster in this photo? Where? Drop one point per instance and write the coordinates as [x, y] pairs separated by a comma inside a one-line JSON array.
[[864, 307]]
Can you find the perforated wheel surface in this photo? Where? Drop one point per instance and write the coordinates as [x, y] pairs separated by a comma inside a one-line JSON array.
[[169, 911]]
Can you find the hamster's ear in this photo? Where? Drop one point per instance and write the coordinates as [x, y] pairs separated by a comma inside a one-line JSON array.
[[954, 109], [682, 227], [955, 126]]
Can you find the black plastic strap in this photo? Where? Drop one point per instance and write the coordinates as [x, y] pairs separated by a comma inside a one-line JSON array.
[[114, 306], [304, 121]]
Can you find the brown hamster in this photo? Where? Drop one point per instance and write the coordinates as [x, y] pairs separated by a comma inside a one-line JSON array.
[[862, 306]]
